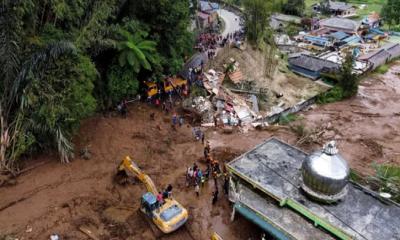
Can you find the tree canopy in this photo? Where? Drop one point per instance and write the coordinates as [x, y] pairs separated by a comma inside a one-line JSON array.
[[64, 59], [391, 12], [294, 7]]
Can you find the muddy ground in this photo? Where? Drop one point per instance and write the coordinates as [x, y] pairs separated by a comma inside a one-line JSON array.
[[55, 198]]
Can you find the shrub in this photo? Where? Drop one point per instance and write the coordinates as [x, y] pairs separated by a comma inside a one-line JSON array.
[[121, 83], [382, 69], [333, 95], [287, 118]]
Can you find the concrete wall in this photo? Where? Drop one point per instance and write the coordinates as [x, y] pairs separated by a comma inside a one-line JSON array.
[[296, 108]]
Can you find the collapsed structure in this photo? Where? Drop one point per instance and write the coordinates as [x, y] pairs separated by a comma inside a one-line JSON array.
[[293, 195]]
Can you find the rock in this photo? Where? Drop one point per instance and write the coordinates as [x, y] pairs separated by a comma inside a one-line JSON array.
[[85, 153], [329, 135], [28, 229]]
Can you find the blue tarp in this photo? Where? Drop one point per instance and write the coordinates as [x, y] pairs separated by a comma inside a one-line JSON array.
[[260, 221]]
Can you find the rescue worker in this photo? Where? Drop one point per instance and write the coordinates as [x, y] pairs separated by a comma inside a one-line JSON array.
[[197, 190], [160, 198], [214, 197], [207, 150], [226, 183]]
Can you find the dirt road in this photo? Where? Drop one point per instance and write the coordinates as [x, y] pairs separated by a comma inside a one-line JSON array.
[[55, 198]]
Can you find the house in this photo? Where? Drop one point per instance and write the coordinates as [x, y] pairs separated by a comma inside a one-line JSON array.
[[340, 25], [278, 20], [382, 55], [338, 9], [373, 20], [207, 15], [208, 7], [376, 58], [311, 67], [269, 186]]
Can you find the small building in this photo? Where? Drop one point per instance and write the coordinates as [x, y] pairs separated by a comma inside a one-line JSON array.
[[207, 15], [376, 58], [294, 195], [340, 25], [373, 20], [206, 20], [338, 9], [208, 7], [311, 67], [278, 20]]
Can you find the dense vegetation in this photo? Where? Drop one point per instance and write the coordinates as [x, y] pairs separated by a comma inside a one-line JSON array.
[[64, 59], [294, 7], [391, 12]]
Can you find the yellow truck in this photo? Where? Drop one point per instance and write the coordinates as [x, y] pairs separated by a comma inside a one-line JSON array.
[[168, 215], [169, 85]]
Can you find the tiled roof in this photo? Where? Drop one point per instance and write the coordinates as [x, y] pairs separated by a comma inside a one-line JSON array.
[[341, 23], [313, 63], [339, 6]]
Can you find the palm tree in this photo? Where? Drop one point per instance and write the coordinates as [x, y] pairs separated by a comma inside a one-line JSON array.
[[136, 51], [18, 70]]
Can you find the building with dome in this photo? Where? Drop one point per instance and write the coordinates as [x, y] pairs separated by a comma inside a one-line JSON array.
[[294, 195]]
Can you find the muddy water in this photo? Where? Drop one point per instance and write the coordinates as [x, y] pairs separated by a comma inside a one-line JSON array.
[[367, 126]]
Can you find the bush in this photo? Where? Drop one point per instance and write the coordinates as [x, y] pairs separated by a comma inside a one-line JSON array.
[[333, 95], [121, 83], [287, 118], [382, 69]]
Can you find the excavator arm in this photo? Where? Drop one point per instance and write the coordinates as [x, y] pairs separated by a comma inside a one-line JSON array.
[[131, 168]]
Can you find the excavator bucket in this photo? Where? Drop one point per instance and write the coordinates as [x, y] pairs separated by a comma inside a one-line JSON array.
[[122, 177]]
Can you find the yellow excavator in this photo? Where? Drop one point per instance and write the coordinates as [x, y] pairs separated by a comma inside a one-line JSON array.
[[169, 215]]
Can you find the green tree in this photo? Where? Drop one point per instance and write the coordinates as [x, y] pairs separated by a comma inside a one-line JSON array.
[[135, 51], [122, 83], [348, 80], [294, 7], [168, 22], [257, 13], [35, 83], [391, 12]]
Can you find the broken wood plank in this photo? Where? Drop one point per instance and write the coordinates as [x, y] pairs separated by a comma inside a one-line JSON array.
[[88, 232]]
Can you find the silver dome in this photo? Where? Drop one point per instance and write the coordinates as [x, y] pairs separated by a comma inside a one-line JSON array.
[[325, 174]]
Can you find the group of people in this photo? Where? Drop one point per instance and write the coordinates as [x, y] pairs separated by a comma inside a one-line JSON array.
[[196, 177], [208, 41], [176, 120]]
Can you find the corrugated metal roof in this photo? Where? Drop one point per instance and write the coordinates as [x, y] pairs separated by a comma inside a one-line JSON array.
[[339, 35], [352, 39]]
